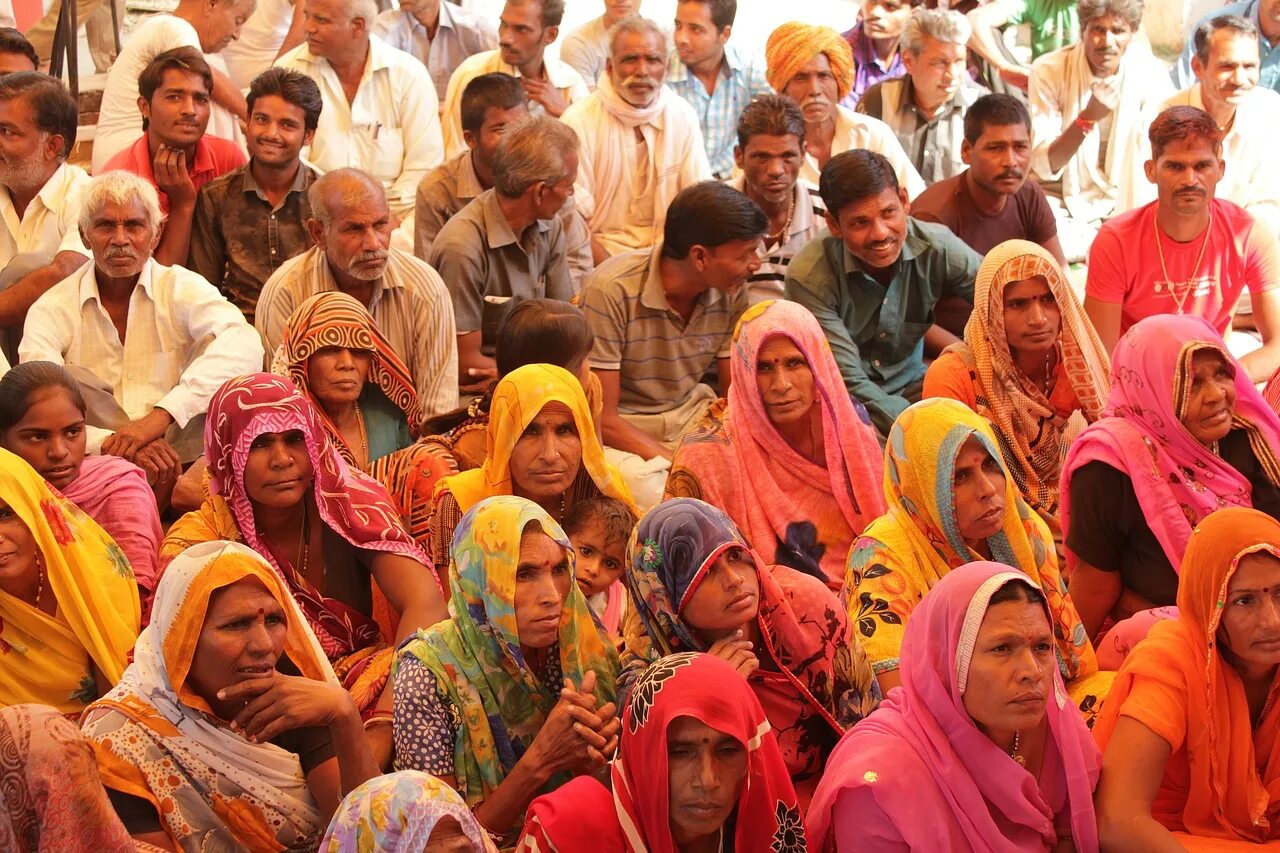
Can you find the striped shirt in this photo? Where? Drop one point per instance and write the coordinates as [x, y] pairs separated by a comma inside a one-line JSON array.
[[660, 355], [807, 222], [742, 79]]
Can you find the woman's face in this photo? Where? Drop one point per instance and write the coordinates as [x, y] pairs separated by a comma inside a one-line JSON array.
[[1032, 319], [336, 375], [1251, 617], [542, 585], [242, 638], [785, 381], [978, 492], [278, 471], [547, 455], [50, 436], [18, 563], [1211, 397], [706, 771], [728, 596], [1011, 673]]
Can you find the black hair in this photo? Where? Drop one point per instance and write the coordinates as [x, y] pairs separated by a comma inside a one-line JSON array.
[[23, 380], [617, 519], [1016, 590], [998, 110], [1205, 32], [854, 176], [52, 106], [723, 12], [489, 91], [543, 331], [710, 214], [290, 86], [12, 41], [770, 115]]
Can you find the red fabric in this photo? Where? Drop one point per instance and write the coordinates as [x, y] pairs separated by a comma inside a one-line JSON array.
[[214, 158]]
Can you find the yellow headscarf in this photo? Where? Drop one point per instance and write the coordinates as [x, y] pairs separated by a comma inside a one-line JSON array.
[[792, 45]]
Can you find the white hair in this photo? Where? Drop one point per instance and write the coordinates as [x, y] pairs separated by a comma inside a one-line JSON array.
[[118, 187], [946, 25], [637, 24], [366, 10]]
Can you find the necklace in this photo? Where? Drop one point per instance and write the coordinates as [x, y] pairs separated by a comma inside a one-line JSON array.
[[1173, 290], [39, 579], [364, 435], [1013, 752], [304, 543], [781, 236]]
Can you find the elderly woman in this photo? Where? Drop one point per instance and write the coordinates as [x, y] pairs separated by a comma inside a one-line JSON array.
[[696, 761], [791, 458], [698, 587], [334, 353], [1190, 730], [515, 692], [42, 420], [812, 65], [979, 743], [1186, 433], [1029, 361], [422, 815], [68, 601], [229, 730]]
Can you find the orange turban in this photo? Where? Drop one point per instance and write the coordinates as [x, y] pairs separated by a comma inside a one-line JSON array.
[[792, 45]]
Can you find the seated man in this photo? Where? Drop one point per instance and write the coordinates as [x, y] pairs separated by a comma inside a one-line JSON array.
[[874, 45], [174, 153], [874, 280], [586, 48], [925, 107], [380, 110], [1187, 252], [16, 53], [769, 152], [1265, 17], [640, 144], [149, 344], [992, 201], [274, 29], [507, 244], [252, 220], [715, 78], [663, 316], [1085, 100], [351, 226], [1054, 24], [438, 34], [526, 29]]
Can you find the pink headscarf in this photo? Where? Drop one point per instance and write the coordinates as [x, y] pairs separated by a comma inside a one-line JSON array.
[[1177, 479], [114, 492], [932, 772]]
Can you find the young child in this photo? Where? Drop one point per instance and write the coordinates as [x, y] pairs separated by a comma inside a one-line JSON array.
[[599, 530]]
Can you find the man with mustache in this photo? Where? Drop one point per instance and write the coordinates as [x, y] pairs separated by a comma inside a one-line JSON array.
[[351, 225], [1265, 17], [640, 144], [1187, 252]]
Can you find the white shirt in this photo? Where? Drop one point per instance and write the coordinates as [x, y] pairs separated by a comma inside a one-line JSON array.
[[392, 128], [855, 130], [586, 50], [564, 78], [49, 225], [183, 341], [259, 43], [460, 34]]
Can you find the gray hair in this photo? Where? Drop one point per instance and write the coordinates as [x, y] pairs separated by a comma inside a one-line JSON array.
[[350, 185], [118, 187], [637, 24], [535, 149], [1130, 10], [365, 10], [946, 25]]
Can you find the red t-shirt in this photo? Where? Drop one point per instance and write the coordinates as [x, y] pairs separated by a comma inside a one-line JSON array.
[[214, 158]]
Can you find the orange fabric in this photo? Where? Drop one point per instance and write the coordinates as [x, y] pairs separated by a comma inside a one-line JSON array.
[[949, 376]]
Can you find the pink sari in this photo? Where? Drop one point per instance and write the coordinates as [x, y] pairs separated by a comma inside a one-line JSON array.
[[114, 493]]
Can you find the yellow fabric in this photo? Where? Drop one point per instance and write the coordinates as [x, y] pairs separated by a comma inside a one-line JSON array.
[[792, 45], [46, 660]]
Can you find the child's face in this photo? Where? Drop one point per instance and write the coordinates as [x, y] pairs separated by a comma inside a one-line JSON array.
[[600, 561]]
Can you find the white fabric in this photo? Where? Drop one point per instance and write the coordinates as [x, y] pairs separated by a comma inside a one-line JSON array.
[[855, 130], [392, 128], [586, 49], [459, 34], [49, 225], [260, 40], [607, 164]]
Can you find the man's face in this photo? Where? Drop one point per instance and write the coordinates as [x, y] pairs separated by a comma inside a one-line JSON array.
[[616, 10], [1186, 174], [814, 88], [356, 241], [885, 19], [728, 266], [276, 131], [179, 109], [496, 122], [27, 155], [696, 37], [328, 27], [1231, 71], [13, 62], [121, 238], [1106, 38], [770, 166], [999, 160], [873, 228], [936, 74], [521, 36], [637, 67], [221, 25]]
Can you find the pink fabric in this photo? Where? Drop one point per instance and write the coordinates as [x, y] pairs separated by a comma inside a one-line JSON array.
[[1119, 639], [1178, 481], [114, 492], [612, 616], [932, 772]]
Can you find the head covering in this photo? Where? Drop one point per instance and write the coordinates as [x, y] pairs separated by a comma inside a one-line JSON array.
[[1177, 479], [156, 737], [46, 659], [1272, 392], [1232, 785], [476, 657], [397, 813], [336, 319], [931, 770], [792, 45]]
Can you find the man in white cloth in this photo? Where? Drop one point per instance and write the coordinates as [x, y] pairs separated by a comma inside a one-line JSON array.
[[438, 33], [587, 48]]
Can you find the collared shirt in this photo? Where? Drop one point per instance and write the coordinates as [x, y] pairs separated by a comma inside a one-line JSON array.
[[1269, 72], [854, 130], [489, 270], [876, 331], [586, 49], [741, 80], [214, 158], [660, 356], [232, 218], [184, 340], [806, 223], [49, 225], [867, 67], [459, 34], [932, 144], [392, 128]]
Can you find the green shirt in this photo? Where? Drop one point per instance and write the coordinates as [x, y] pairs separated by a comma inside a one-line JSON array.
[[876, 332], [1054, 23]]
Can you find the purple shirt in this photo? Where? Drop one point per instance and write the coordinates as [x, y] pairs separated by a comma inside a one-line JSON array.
[[867, 70]]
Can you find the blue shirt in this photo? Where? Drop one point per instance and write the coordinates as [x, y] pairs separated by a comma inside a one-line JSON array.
[[741, 79], [1269, 75]]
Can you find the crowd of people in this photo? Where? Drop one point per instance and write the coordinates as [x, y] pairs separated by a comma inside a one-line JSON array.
[[415, 437]]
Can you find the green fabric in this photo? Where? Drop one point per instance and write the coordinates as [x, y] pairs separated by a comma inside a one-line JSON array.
[[384, 423], [1054, 23]]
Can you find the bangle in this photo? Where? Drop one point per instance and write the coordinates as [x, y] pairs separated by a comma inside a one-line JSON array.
[[378, 718], [1084, 124]]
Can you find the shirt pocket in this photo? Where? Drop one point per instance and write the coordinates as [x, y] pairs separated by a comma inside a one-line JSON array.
[[388, 153]]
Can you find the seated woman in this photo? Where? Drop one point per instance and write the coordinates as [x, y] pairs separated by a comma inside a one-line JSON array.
[[276, 484], [951, 501], [1186, 434], [791, 458], [541, 445], [696, 763], [334, 353], [229, 730], [1190, 730], [423, 815], [1029, 361], [69, 607], [515, 692], [698, 587], [979, 743], [42, 420]]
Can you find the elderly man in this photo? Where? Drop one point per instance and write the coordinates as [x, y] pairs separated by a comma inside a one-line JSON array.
[[640, 144], [149, 344], [439, 34], [925, 108], [351, 227], [508, 244], [525, 31], [1085, 101], [1265, 17], [813, 67], [587, 47]]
